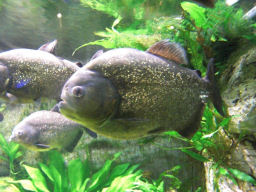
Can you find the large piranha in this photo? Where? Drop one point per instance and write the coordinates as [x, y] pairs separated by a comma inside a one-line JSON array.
[[126, 93], [27, 75]]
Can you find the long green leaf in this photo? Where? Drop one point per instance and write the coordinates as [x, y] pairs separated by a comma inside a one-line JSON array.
[[58, 183], [118, 170], [176, 135], [76, 174], [46, 171], [83, 187], [242, 176], [3, 141], [37, 178], [57, 165], [195, 155], [99, 178], [225, 172], [14, 147]]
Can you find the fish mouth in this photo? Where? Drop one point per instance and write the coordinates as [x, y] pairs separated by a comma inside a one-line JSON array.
[[62, 104]]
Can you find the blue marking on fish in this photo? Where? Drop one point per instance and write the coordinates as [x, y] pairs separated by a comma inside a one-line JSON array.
[[22, 83]]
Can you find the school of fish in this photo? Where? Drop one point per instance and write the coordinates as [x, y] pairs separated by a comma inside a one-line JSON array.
[[122, 94]]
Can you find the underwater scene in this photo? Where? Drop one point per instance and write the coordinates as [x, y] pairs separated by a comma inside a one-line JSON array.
[[127, 95]]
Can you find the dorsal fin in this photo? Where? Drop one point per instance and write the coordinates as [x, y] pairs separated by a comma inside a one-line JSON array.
[[97, 54], [170, 51], [49, 47]]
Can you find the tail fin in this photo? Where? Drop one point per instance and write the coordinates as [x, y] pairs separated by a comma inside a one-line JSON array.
[[214, 91]]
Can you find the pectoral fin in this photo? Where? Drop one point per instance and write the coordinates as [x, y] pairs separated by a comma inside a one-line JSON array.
[[42, 146], [91, 133], [9, 98], [72, 145], [97, 54]]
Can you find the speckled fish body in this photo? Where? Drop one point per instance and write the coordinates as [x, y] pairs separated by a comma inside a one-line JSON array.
[[154, 95], [46, 130], [33, 74]]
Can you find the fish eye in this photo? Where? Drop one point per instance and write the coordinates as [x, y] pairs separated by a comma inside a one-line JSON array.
[[78, 91], [20, 133]]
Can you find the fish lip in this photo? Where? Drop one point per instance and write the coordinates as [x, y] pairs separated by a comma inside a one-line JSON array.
[[12, 138], [62, 104]]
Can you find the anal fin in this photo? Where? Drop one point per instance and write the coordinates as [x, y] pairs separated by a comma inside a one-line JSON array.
[[72, 145]]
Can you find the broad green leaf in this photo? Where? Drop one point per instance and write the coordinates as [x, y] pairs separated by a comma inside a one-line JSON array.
[[123, 183], [4, 145], [132, 169], [37, 178], [197, 13], [7, 185], [100, 177], [58, 184], [195, 155], [46, 171], [2, 140], [57, 165], [118, 170], [14, 147], [160, 187], [76, 174], [57, 161], [26, 184], [242, 176]]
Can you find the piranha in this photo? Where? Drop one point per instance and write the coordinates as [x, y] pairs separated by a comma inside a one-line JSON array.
[[126, 93], [46, 130], [27, 75]]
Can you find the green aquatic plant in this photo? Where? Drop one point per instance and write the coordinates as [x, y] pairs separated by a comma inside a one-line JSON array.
[[205, 33], [211, 32], [204, 147], [76, 175], [11, 152]]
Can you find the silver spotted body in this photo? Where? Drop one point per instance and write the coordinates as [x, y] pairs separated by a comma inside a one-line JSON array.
[[155, 94], [46, 128], [43, 73]]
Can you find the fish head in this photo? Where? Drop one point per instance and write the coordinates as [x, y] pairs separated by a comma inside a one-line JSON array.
[[88, 98], [4, 78], [25, 134]]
